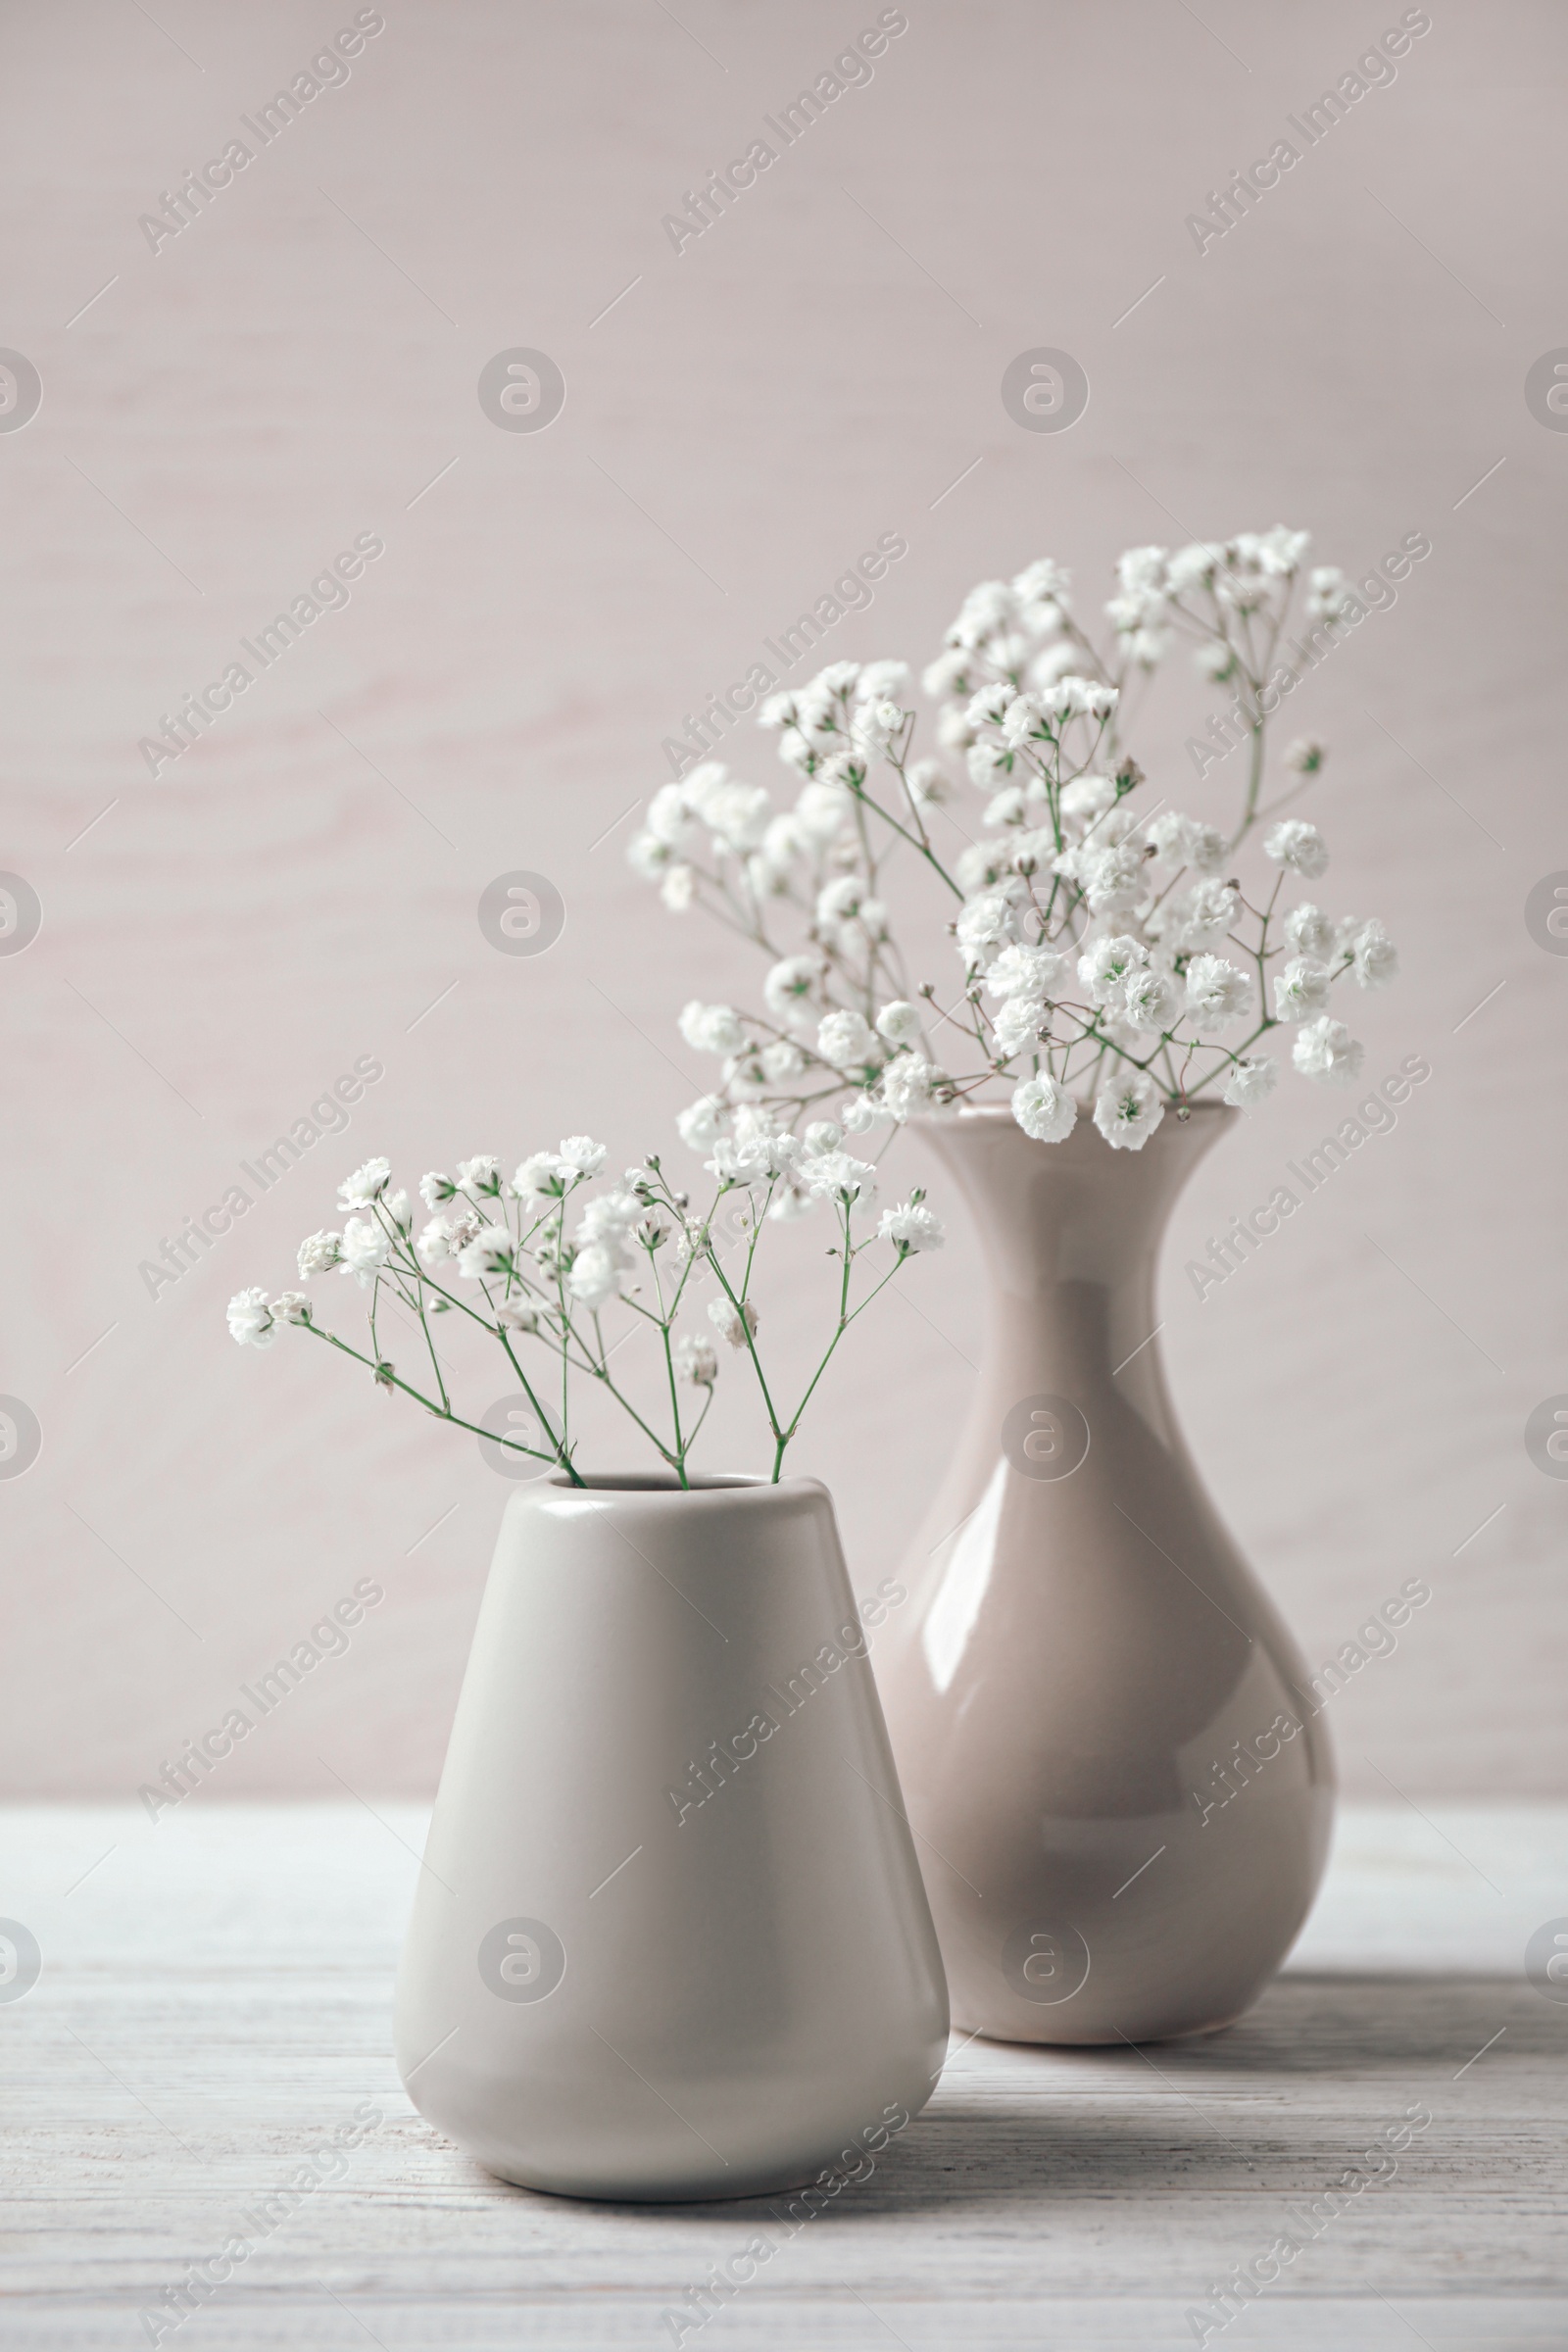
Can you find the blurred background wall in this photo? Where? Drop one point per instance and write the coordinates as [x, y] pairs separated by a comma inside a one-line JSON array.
[[226, 408]]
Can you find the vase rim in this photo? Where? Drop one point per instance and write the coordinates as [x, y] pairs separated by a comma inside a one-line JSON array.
[[985, 1113], [662, 1486]]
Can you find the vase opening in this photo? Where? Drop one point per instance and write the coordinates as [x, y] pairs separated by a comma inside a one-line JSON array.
[[651, 1482]]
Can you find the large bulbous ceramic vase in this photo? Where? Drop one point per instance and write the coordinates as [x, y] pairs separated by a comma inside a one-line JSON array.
[[670, 1940], [1120, 1793]]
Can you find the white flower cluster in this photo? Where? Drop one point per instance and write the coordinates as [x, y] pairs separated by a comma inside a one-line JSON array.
[[1103, 955], [522, 1259]]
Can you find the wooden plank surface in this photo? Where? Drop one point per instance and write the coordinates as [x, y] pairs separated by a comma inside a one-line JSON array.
[[214, 2004]]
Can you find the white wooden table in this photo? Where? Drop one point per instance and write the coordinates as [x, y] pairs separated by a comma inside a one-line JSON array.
[[214, 2004]]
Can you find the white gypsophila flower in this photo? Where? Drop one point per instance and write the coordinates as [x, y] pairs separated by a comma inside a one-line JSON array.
[[1304, 757], [1020, 971], [1104, 968], [366, 1245], [823, 811], [1088, 797], [1299, 845], [864, 1112], [1178, 841], [1309, 931], [911, 1227], [1017, 1026], [435, 1241], [678, 889], [1148, 1000], [317, 1251], [435, 1190], [712, 1028], [733, 1322], [610, 1217], [365, 1185], [1214, 661], [1203, 915], [988, 765], [518, 1314], [899, 1022], [648, 855], [1194, 565], [489, 1252], [1218, 992], [1377, 959], [1250, 1082], [250, 1319], [791, 983], [736, 815], [698, 1125], [836, 1176], [540, 1177], [782, 1059], [695, 1361], [479, 1175], [907, 1084], [880, 681], [597, 1275], [983, 864], [1301, 990], [823, 1135], [1008, 807], [877, 724], [986, 921], [1128, 1111], [291, 1307], [839, 899], [846, 1040], [1325, 1048], [396, 1206], [1113, 878], [1044, 1110], [669, 812]]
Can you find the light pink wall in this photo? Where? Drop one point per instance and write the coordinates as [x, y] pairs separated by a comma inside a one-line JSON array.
[[294, 367]]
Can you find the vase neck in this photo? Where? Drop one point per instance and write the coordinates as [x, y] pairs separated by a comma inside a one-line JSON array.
[[1075, 1211]]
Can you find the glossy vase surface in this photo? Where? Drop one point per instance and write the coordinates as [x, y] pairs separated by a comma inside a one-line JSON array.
[[1121, 1795], [670, 1938]]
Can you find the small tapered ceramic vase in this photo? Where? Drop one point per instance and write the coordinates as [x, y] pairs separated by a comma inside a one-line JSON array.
[[1101, 1725], [670, 1938]]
